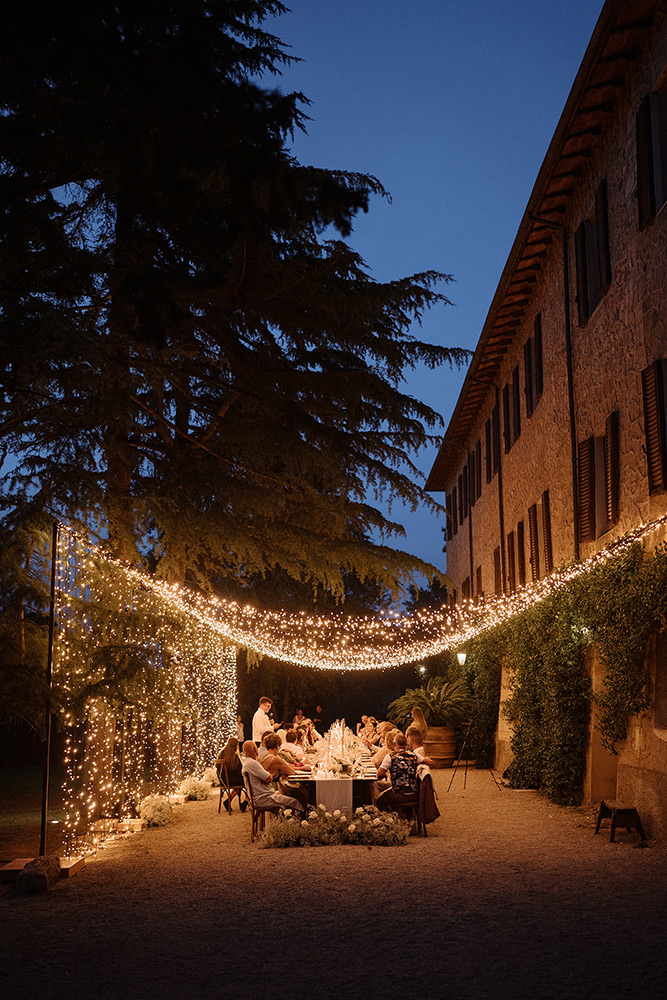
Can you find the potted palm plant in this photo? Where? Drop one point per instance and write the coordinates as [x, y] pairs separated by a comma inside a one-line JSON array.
[[443, 703]]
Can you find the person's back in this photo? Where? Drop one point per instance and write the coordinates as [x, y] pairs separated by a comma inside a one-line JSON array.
[[403, 772]]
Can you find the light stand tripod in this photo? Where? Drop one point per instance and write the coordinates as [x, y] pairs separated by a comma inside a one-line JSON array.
[[465, 772]]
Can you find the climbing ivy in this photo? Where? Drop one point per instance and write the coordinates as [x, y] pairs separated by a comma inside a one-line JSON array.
[[615, 607]]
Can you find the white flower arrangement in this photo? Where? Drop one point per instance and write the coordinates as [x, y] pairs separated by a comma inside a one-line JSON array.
[[369, 826], [194, 789], [156, 810]]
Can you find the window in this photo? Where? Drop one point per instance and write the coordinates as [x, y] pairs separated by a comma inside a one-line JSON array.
[[511, 410], [532, 364], [541, 555], [478, 470], [520, 554], [497, 571], [591, 243], [449, 530], [479, 589], [455, 520], [464, 491], [653, 387], [489, 451], [652, 155], [598, 481], [465, 589], [511, 562]]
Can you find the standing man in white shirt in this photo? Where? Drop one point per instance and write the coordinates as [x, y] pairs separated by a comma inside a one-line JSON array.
[[261, 721]]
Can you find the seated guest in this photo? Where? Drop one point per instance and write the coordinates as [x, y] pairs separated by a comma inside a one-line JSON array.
[[277, 766], [362, 725], [229, 756], [387, 746], [401, 768], [415, 743], [261, 749], [369, 735], [291, 746], [299, 719], [313, 734], [261, 783]]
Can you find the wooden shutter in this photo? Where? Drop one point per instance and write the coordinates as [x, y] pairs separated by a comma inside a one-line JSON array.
[[507, 418], [449, 533], [537, 357], [479, 590], [489, 452], [516, 405], [659, 133], [465, 589], [464, 490], [495, 434], [472, 476], [645, 182], [602, 225], [534, 543], [611, 469], [478, 470], [546, 533], [582, 277], [586, 487], [654, 426], [511, 562], [455, 519], [461, 514], [497, 573], [520, 554], [528, 376]]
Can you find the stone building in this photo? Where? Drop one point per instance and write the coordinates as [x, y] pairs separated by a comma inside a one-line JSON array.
[[558, 441]]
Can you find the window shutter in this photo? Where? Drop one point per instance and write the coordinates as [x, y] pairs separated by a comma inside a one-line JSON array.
[[455, 523], [461, 514], [464, 491], [449, 534], [495, 434], [507, 418], [611, 470], [498, 577], [546, 533], [586, 486], [537, 357], [654, 426], [516, 405], [582, 279], [528, 375], [478, 470], [520, 554], [511, 562], [472, 476], [479, 590], [534, 544], [602, 223], [645, 182], [659, 134], [489, 459]]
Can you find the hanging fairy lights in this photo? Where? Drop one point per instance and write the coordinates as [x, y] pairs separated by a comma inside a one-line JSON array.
[[149, 690], [347, 642]]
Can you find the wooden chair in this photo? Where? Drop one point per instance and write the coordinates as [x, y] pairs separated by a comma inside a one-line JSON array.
[[258, 813], [225, 786], [620, 814]]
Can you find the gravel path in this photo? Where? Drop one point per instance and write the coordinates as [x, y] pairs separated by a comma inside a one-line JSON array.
[[509, 896]]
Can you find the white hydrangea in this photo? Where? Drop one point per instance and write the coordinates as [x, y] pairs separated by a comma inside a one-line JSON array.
[[336, 813], [304, 822], [376, 821], [352, 827]]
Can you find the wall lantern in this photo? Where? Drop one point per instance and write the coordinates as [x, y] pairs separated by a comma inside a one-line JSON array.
[[461, 657]]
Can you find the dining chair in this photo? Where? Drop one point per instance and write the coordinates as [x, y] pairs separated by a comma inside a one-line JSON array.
[[257, 813], [225, 786]]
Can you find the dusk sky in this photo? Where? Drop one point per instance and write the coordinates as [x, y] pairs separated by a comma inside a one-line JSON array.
[[452, 105]]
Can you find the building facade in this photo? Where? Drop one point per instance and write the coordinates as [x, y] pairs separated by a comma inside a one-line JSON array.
[[558, 441]]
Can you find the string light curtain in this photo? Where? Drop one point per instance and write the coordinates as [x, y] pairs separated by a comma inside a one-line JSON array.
[[148, 689]]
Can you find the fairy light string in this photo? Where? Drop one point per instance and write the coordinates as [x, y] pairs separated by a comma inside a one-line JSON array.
[[347, 642]]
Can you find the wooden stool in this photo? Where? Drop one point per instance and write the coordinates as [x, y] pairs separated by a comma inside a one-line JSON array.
[[620, 814]]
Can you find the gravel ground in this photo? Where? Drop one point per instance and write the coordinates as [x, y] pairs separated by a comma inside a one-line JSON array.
[[508, 896]]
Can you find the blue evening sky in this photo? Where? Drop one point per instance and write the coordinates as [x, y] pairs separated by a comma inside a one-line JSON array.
[[452, 105]]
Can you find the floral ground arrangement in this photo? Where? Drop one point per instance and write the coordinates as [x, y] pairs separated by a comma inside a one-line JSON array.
[[366, 825]]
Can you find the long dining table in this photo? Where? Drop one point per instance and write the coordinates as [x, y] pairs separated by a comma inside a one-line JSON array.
[[337, 790]]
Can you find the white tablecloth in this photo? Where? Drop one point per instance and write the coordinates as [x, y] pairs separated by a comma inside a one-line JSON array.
[[334, 793]]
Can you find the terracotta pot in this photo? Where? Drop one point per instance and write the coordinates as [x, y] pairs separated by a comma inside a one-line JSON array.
[[440, 745]]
